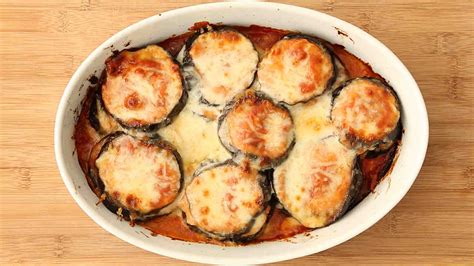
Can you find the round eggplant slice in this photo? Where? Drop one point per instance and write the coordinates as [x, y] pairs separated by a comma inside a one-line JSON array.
[[255, 126], [366, 113], [296, 69], [137, 178], [219, 63], [225, 199], [143, 89], [317, 181]]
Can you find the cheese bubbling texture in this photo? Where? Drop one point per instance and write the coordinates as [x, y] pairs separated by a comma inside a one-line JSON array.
[[366, 110], [143, 87], [295, 70], [224, 200], [313, 184], [254, 125], [195, 138], [142, 177], [225, 61]]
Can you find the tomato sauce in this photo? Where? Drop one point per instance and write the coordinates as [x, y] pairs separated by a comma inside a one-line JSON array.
[[280, 225]]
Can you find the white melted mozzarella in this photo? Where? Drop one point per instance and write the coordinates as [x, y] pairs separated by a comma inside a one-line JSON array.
[[145, 88], [195, 138], [140, 176], [223, 200], [295, 70], [312, 119], [257, 126], [313, 183], [225, 63], [366, 110], [296, 178]]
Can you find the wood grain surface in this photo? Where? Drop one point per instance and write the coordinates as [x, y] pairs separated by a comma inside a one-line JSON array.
[[43, 42]]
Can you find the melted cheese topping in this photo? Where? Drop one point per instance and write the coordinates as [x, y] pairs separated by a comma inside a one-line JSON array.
[[224, 200], [195, 138], [312, 119], [142, 87], [295, 70], [366, 110], [314, 182], [257, 126], [226, 62], [142, 177]]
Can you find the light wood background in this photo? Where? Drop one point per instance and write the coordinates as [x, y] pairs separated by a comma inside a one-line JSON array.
[[43, 42]]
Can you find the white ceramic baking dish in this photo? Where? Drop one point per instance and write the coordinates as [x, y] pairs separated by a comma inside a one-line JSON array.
[[388, 193]]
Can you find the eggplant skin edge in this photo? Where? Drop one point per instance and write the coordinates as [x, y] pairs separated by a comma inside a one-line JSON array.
[[112, 204], [349, 202], [390, 138], [234, 237], [236, 152]]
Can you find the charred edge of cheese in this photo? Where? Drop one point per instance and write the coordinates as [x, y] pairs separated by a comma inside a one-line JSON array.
[[366, 113], [143, 89], [317, 182], [223, 200], [149, 178], [220, 62], [254, 126], [296, 69]]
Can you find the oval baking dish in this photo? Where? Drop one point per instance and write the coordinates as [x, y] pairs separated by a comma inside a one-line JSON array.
[[152, 30]]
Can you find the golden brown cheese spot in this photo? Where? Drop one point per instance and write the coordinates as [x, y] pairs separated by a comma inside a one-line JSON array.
[[313, 183], [259, 127], [133, 101], [225, 61], [295, 70], [366, 110], [142, 87], [228, 209], [141, 176]]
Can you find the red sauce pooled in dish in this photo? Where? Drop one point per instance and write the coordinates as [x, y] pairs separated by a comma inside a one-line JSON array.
[[280, 225]]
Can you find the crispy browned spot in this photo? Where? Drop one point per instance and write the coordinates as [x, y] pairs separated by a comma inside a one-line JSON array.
[[133, 101]]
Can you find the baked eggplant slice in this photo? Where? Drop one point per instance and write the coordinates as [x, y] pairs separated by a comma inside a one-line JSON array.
[[136, 178], [296, 69], [317, 181], [366, 113], [254, 126], [220, 63], [143, 89], [225, 200]]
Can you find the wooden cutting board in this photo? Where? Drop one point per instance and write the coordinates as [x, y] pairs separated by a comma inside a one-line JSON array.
[[43, 42]]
